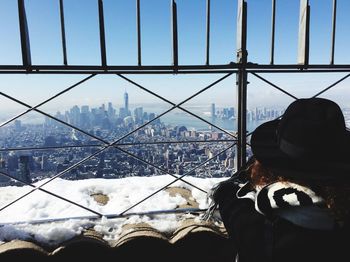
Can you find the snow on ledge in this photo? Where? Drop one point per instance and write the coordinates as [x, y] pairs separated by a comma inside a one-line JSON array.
[[120, 194]]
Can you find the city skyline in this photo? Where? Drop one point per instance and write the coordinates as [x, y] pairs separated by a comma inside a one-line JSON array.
[[124, 109], [107, 122], [60, 146]]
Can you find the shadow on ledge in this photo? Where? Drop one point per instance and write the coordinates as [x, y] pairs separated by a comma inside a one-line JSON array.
[[194, 240]]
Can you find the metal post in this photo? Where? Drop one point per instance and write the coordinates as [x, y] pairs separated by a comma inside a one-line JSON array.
[[102, 34], [242, 82], [208, 33], [273, 22], [174, 33], [334, 18], [25, 45], [138, 28], [63, 34], [304, 28]]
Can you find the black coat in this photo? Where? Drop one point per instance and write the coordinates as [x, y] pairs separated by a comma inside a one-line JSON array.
[[261, 231]]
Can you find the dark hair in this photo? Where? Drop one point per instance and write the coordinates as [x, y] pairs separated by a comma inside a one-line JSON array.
[[337, 197]]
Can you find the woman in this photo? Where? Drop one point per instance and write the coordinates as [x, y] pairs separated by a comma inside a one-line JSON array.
[[294, 203]]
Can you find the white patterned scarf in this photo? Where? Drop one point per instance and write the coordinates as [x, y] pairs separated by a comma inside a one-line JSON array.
[[295, 203]]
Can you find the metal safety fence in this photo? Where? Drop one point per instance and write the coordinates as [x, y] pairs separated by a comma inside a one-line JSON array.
[[241, 69]]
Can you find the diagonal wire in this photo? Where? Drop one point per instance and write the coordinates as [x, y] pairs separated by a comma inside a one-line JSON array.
[[123, 137], [50, 193], [108, 145], [44, 102], [316, 95], [273, 85], [332, 85], [135, 130], [56, 176], [93, 136], [189, 98], [285, 92], [188, 172], [159, 168], [119, 144], [126, 152], [79, 163]]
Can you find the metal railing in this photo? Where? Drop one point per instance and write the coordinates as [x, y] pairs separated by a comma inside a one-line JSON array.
[[241, 68]]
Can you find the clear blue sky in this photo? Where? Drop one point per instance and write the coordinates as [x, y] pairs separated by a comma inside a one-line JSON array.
[[83, 49]]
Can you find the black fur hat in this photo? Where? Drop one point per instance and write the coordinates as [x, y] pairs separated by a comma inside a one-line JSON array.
[[310, 141]]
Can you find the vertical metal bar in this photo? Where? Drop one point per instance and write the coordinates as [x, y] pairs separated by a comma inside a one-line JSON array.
[[304, 28], [273, 22], [174, 33], [307, 38], [208, 33], [334, 18], [242, 83], [25, 43], [102, 33], [138, 25], [63, 34]]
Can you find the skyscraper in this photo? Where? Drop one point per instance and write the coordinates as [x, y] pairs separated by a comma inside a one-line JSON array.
[[12, 161], [138, 114], [74, 115], [126, 102], [85, 109], [18, 125], [213, 115], [111, 110], [24, 172]]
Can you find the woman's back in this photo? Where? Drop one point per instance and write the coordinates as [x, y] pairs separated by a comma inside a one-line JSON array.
[[295, 203]]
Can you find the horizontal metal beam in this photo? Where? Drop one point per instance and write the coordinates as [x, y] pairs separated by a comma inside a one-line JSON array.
[[181, 71], [231, 65], [119, 67]]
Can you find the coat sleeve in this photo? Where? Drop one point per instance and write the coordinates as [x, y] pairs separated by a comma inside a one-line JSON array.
[[234, 211], [244, 225]]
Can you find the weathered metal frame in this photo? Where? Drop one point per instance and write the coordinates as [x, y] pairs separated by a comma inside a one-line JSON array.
[[242, 68]]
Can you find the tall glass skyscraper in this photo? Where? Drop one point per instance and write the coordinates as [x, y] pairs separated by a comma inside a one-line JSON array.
[[126, 102], [213, 114]]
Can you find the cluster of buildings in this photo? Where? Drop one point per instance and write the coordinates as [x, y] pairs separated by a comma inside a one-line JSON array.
[[225, 113], [31, 152], [155, 150], [104, 117], [255, 114], [44, 150]]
